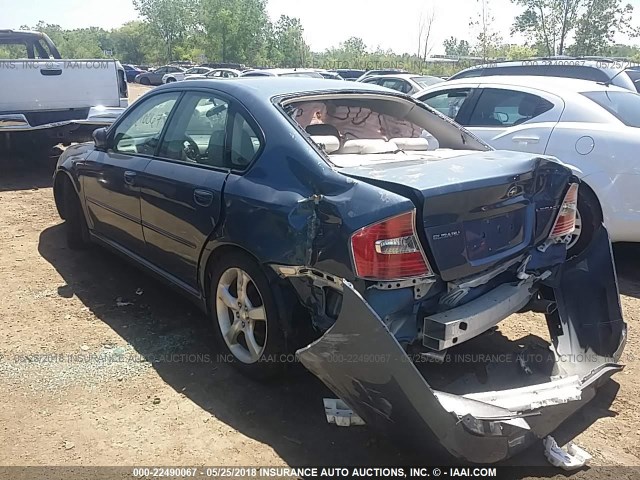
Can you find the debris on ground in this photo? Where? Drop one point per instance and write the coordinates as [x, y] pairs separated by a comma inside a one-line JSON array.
[[571, 457]]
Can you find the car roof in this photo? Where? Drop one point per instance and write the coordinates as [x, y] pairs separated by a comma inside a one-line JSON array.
[[265, 88], [280, 71], [401, 75], [556, 85], [598, 63]]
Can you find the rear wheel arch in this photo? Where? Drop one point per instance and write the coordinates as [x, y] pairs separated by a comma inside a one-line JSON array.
[[590, 216], [211, 254], [282, 290], [590, 191]]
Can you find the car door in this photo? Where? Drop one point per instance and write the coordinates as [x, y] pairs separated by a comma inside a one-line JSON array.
[[514, 118], [109, 178], [182, 189]]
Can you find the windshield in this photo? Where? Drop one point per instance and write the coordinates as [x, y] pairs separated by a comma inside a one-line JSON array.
[[625, 106], [356, 124], [425, 82]]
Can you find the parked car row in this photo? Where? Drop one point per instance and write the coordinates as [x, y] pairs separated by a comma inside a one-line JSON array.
[[395, 79]]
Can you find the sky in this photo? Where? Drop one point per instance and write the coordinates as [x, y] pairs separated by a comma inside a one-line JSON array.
[[388, 24]]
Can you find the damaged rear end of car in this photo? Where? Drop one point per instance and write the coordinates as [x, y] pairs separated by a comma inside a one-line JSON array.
[[406, 335]]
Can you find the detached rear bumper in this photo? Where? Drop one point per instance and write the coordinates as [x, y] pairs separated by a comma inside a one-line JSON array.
[[362, 362]]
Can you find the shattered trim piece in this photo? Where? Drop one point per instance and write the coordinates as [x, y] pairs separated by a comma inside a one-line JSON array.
[[571, 457], [340, 414]]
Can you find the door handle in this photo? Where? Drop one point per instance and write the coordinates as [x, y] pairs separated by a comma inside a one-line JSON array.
[[50, 72], [130, 178], [526, 139], [204, 198]]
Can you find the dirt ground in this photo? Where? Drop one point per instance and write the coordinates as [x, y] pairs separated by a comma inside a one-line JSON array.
[[102, 365]]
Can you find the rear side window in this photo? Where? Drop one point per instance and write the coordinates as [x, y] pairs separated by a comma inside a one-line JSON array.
[[625, 106], [245, 143], [449, 102], [506, 108]]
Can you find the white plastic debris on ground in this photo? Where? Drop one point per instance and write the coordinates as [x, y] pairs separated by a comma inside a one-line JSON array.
[[339, 413], [570, 458]]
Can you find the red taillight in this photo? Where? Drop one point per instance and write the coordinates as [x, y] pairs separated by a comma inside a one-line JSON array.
[[566, 221], [389, 250]]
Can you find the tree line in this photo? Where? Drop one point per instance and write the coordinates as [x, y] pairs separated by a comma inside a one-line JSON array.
[[240, 31]]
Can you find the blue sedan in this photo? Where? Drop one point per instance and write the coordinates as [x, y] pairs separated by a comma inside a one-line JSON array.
[[361, 230]]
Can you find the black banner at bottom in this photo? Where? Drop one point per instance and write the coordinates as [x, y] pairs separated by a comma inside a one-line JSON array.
[[271, 472]]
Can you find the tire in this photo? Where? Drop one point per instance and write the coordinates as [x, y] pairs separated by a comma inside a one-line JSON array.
[[253, 345], [75, 222], [171, 80], [588, 221], [145, 81]]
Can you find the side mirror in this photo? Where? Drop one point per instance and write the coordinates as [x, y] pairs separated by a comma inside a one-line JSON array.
[[100, 139]]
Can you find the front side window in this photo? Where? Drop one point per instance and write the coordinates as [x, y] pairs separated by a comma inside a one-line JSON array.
[[449, 102], [139, 132], [506, 108], [625, 106], [197, 131]]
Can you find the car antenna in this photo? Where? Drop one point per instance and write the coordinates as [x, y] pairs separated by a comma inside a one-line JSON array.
[[609, 82]]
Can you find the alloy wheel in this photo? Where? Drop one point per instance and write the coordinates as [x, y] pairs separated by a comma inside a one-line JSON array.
[[241, 315]]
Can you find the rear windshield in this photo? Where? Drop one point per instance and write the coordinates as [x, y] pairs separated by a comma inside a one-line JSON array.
[[425, 82], [625, 106], [348, 124]]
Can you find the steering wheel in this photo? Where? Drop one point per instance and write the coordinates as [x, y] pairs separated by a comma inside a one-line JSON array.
[[190, 150]]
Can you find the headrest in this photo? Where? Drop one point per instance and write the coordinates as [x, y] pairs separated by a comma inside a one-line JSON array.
[[365, 146], [328, 143], [527, 107], [411, 144], [322, 129]]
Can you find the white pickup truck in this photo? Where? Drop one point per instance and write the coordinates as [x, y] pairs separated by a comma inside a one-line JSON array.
[[46, 100]]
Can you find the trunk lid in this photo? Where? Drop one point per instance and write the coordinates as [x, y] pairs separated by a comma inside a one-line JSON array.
[[476, 210]]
